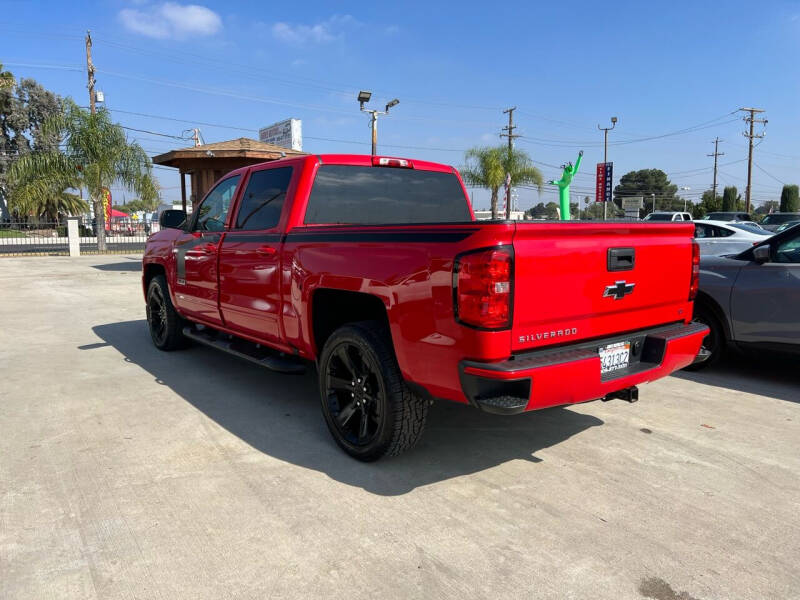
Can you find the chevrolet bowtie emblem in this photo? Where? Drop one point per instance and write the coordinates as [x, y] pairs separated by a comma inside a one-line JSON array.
[[619, 290]]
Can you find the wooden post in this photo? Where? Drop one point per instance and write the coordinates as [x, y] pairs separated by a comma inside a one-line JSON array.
[[183, 190]]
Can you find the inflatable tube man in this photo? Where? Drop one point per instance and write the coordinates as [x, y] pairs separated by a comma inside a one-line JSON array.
[[563, 185]]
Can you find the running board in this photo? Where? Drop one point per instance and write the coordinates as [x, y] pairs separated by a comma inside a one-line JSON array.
[[255, 353]]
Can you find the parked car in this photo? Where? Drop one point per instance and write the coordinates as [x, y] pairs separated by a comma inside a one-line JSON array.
[[728, 216], [727, 237], [663, 215], [750, 300], [787, 225], [774, 220], [375, 269]]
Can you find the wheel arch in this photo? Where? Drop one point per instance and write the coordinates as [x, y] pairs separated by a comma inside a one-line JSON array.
[[706, 301], [332, 308], [149, 271]]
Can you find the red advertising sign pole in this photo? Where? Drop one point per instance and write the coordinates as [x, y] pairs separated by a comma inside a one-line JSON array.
[[600, 187]]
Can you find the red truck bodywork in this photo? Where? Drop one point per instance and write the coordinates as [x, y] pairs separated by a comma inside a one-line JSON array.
[[262, 286]]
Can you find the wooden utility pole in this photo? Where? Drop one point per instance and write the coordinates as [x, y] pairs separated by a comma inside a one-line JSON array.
[[90, 70], [510, 135], [751, 119], [715, 155]]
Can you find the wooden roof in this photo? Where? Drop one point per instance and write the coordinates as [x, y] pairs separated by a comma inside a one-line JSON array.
[[239, 148]]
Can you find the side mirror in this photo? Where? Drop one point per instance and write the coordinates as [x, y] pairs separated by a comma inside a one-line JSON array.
[[172, 219], [761, 254]]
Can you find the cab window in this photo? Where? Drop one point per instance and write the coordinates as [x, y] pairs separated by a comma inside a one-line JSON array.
[[263, 199], [213, 211]]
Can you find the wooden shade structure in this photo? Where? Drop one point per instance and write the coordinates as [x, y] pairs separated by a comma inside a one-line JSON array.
[[206, 163]]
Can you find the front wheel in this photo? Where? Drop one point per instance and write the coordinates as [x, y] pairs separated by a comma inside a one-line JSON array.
[[367, 406], [164, 322], [714, 342]]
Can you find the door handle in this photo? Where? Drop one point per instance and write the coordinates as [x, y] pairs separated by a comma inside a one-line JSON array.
[[266, 251]]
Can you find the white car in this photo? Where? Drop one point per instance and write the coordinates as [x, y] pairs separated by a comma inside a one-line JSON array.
[[664, 215], [716, 238]]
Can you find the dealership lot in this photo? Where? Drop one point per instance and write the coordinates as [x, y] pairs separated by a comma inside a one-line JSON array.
[[127, 472]]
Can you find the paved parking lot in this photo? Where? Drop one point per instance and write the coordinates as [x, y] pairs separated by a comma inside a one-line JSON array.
[[129, 473]]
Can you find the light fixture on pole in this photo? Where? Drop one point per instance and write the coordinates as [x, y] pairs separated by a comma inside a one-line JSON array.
[[364, 97], [605, 131], [684, 189]]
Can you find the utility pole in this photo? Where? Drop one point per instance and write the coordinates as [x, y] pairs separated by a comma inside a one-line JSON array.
[[751, 120], [510, 135], [90, 70], [364, 97], [605, 131], [715, 155]]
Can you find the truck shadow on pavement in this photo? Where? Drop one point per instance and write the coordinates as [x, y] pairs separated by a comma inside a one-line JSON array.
[[772, 375], [279, 415]]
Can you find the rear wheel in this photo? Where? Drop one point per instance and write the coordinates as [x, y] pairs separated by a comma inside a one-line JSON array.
[[164, 322], [714, 342], [367, 407]]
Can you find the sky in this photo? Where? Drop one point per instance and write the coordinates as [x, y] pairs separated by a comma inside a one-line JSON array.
[[674, 73]]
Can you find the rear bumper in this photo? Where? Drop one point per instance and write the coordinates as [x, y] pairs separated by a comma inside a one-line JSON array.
[[571, 374]]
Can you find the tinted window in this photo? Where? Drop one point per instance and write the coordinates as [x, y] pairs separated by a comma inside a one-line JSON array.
[[719, 232], [701, 231], [658, 217], [263, 199], [777, 219], [750, 228], [214, 210], [788, 251], [380, 195]]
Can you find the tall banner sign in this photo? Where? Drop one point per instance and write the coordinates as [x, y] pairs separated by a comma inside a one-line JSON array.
[[605, 178], [107, 207]]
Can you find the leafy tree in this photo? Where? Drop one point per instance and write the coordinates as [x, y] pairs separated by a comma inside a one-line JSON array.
[[790, 198], [487, 167], [646, 183], [729, 197], [24, 107], [95, 152]]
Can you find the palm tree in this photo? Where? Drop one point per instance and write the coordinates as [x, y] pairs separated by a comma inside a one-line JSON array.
[[27, 200], [488, 166], [95, 154]]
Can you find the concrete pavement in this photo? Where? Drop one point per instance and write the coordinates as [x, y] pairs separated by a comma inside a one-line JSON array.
[[130, 473]]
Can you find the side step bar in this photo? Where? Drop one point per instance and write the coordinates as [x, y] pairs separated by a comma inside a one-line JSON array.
[[255, 353]]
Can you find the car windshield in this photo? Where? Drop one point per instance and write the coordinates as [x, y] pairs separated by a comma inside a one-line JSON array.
[[658, 217], [721, 216], [778, 219], [751, 228]]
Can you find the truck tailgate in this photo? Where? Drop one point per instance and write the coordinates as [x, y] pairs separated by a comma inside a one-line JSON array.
[[577, 281]]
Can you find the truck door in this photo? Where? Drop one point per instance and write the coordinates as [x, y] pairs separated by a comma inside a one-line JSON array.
[[196, 254], [250, 273]]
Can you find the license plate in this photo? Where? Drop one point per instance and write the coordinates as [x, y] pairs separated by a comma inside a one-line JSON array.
[[614, 357]]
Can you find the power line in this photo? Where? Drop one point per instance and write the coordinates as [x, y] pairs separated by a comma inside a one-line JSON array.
[[751, 120]]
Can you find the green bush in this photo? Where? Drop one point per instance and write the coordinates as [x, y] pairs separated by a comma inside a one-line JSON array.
[[790, 198]]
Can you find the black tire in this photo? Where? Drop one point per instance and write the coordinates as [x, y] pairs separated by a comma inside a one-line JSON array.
[[163, 321], [714, 342], [368, 408]]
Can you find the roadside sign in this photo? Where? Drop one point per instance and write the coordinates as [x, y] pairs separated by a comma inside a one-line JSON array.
[[605, 178], [632, 205]]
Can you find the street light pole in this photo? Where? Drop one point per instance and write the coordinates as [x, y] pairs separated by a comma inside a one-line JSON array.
[[605, 131], [363, 98]]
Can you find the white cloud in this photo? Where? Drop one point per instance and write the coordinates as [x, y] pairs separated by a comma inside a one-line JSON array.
[[320, 33], [171, 20]]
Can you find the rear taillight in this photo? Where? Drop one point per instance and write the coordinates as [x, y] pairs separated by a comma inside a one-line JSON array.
[[694, 284], [483, 282]]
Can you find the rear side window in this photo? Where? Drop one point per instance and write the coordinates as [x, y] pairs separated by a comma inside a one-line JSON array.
[[263, 199], [381, 195]]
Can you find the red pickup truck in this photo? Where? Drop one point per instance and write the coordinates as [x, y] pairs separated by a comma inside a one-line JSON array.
[[375, 269]]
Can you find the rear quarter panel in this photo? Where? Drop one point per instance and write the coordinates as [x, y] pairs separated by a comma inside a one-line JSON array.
[[410, 269]]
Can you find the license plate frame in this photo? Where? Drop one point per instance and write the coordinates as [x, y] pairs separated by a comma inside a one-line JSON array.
[[614, 357]]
